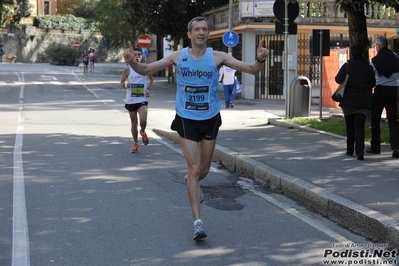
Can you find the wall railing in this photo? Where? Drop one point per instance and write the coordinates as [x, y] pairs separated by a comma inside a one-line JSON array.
[[310, 12]]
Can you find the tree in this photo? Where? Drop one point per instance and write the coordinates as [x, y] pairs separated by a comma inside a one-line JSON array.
[[357, 24], [6, 11], [111, 19], [13, 11], [165, 17], [22, 9], [65, 7], [78, 8]]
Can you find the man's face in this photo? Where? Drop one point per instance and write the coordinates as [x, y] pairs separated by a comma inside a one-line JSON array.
[[137, 56], [377, 47], [199, 32]]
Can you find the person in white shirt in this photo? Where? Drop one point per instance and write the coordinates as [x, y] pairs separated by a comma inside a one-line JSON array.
[[91, 56], [137, 91], [227, 75]]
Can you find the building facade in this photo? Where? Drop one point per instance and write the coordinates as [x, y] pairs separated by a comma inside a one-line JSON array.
[[320, 15]]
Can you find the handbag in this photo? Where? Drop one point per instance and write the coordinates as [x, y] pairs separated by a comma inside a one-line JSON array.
[[237, 87], [338, 94]]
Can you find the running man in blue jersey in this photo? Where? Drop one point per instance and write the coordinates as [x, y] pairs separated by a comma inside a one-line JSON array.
[[198, 106]]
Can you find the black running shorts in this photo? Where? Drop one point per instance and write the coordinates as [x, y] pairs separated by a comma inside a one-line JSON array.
[[135, 106], [197, 130]]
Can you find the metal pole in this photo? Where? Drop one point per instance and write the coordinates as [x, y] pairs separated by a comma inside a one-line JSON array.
[[321, 74], [287, 90], [230, 49]]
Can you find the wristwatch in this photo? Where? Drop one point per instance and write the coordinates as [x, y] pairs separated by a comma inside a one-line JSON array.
[[257, 59]]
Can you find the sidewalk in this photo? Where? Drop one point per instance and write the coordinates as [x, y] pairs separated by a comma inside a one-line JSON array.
[[310, 167]]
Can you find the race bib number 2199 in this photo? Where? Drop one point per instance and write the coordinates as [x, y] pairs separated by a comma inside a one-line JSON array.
[[197, 98]]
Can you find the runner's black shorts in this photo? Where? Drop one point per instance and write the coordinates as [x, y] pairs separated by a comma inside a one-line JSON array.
[[135, 106], [197, 130]]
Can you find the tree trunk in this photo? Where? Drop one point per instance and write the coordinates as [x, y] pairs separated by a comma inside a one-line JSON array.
[[358, 29]]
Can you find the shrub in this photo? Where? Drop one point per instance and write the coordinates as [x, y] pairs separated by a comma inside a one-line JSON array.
[[61, 54], [68, 22]]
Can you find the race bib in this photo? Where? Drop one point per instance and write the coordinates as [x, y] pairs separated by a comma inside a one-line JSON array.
[[196, 97], [137, 90]]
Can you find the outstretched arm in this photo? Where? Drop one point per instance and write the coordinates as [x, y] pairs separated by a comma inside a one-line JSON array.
[[145, 69], [226, 59]]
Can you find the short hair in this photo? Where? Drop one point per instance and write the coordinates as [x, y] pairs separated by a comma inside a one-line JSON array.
[[382, 41], [137, 49], [190, 24], [357, 51]]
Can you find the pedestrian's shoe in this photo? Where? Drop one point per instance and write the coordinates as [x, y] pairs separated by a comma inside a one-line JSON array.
[[371, 150], [144, 137], [395, 153], [360, 157], [349, 153], [135, 147], [199, 232], [231, 104]]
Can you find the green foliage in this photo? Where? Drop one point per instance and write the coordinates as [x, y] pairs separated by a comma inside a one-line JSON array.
[[110, 16], [22, 10], [68, 22], [337, 126], [60, 52], [85, 9], [14, 11], [162, 17]]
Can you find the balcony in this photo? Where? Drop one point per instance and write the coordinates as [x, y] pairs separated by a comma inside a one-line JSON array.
[[323, 12]]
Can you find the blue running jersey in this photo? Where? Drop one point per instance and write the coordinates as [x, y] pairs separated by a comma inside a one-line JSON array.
[[197, 87]]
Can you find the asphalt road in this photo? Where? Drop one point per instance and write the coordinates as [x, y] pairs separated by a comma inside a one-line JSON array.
[[72, 194]]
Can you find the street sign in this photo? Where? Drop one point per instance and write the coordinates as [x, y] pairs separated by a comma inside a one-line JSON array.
[[230, 38], [144, 41], [144, 51], [76, 45], [279, 10]]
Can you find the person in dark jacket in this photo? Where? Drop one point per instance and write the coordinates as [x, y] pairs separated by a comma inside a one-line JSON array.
[[386, 69], [357, 100]]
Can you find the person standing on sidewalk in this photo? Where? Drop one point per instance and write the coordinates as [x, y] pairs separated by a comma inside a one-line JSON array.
[[197, 119], [227, 75], [137, 90], [386, 69], [357, 101]]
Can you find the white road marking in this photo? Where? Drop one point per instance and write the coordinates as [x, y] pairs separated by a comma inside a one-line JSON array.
[[78, 78], [52, 77], [248, 185], [20, 236]]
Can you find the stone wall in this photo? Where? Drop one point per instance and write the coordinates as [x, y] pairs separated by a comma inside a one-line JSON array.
[[29, 45]]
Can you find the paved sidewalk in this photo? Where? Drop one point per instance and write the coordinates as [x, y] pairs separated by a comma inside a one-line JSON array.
[[310, 166]]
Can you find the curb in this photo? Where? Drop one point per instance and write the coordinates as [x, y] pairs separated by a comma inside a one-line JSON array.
[[361, 220]]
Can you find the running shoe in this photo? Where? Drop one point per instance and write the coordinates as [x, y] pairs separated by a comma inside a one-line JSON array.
[[144, 137], [135, 147], [199, 232]]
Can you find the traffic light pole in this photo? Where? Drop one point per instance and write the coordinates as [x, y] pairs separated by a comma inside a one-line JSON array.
[[287, 89], [230, 49]]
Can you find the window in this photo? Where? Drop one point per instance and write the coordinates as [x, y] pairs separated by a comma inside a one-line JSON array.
[[46, 8]]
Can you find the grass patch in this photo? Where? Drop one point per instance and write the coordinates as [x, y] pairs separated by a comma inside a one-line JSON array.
[[336, 125]]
